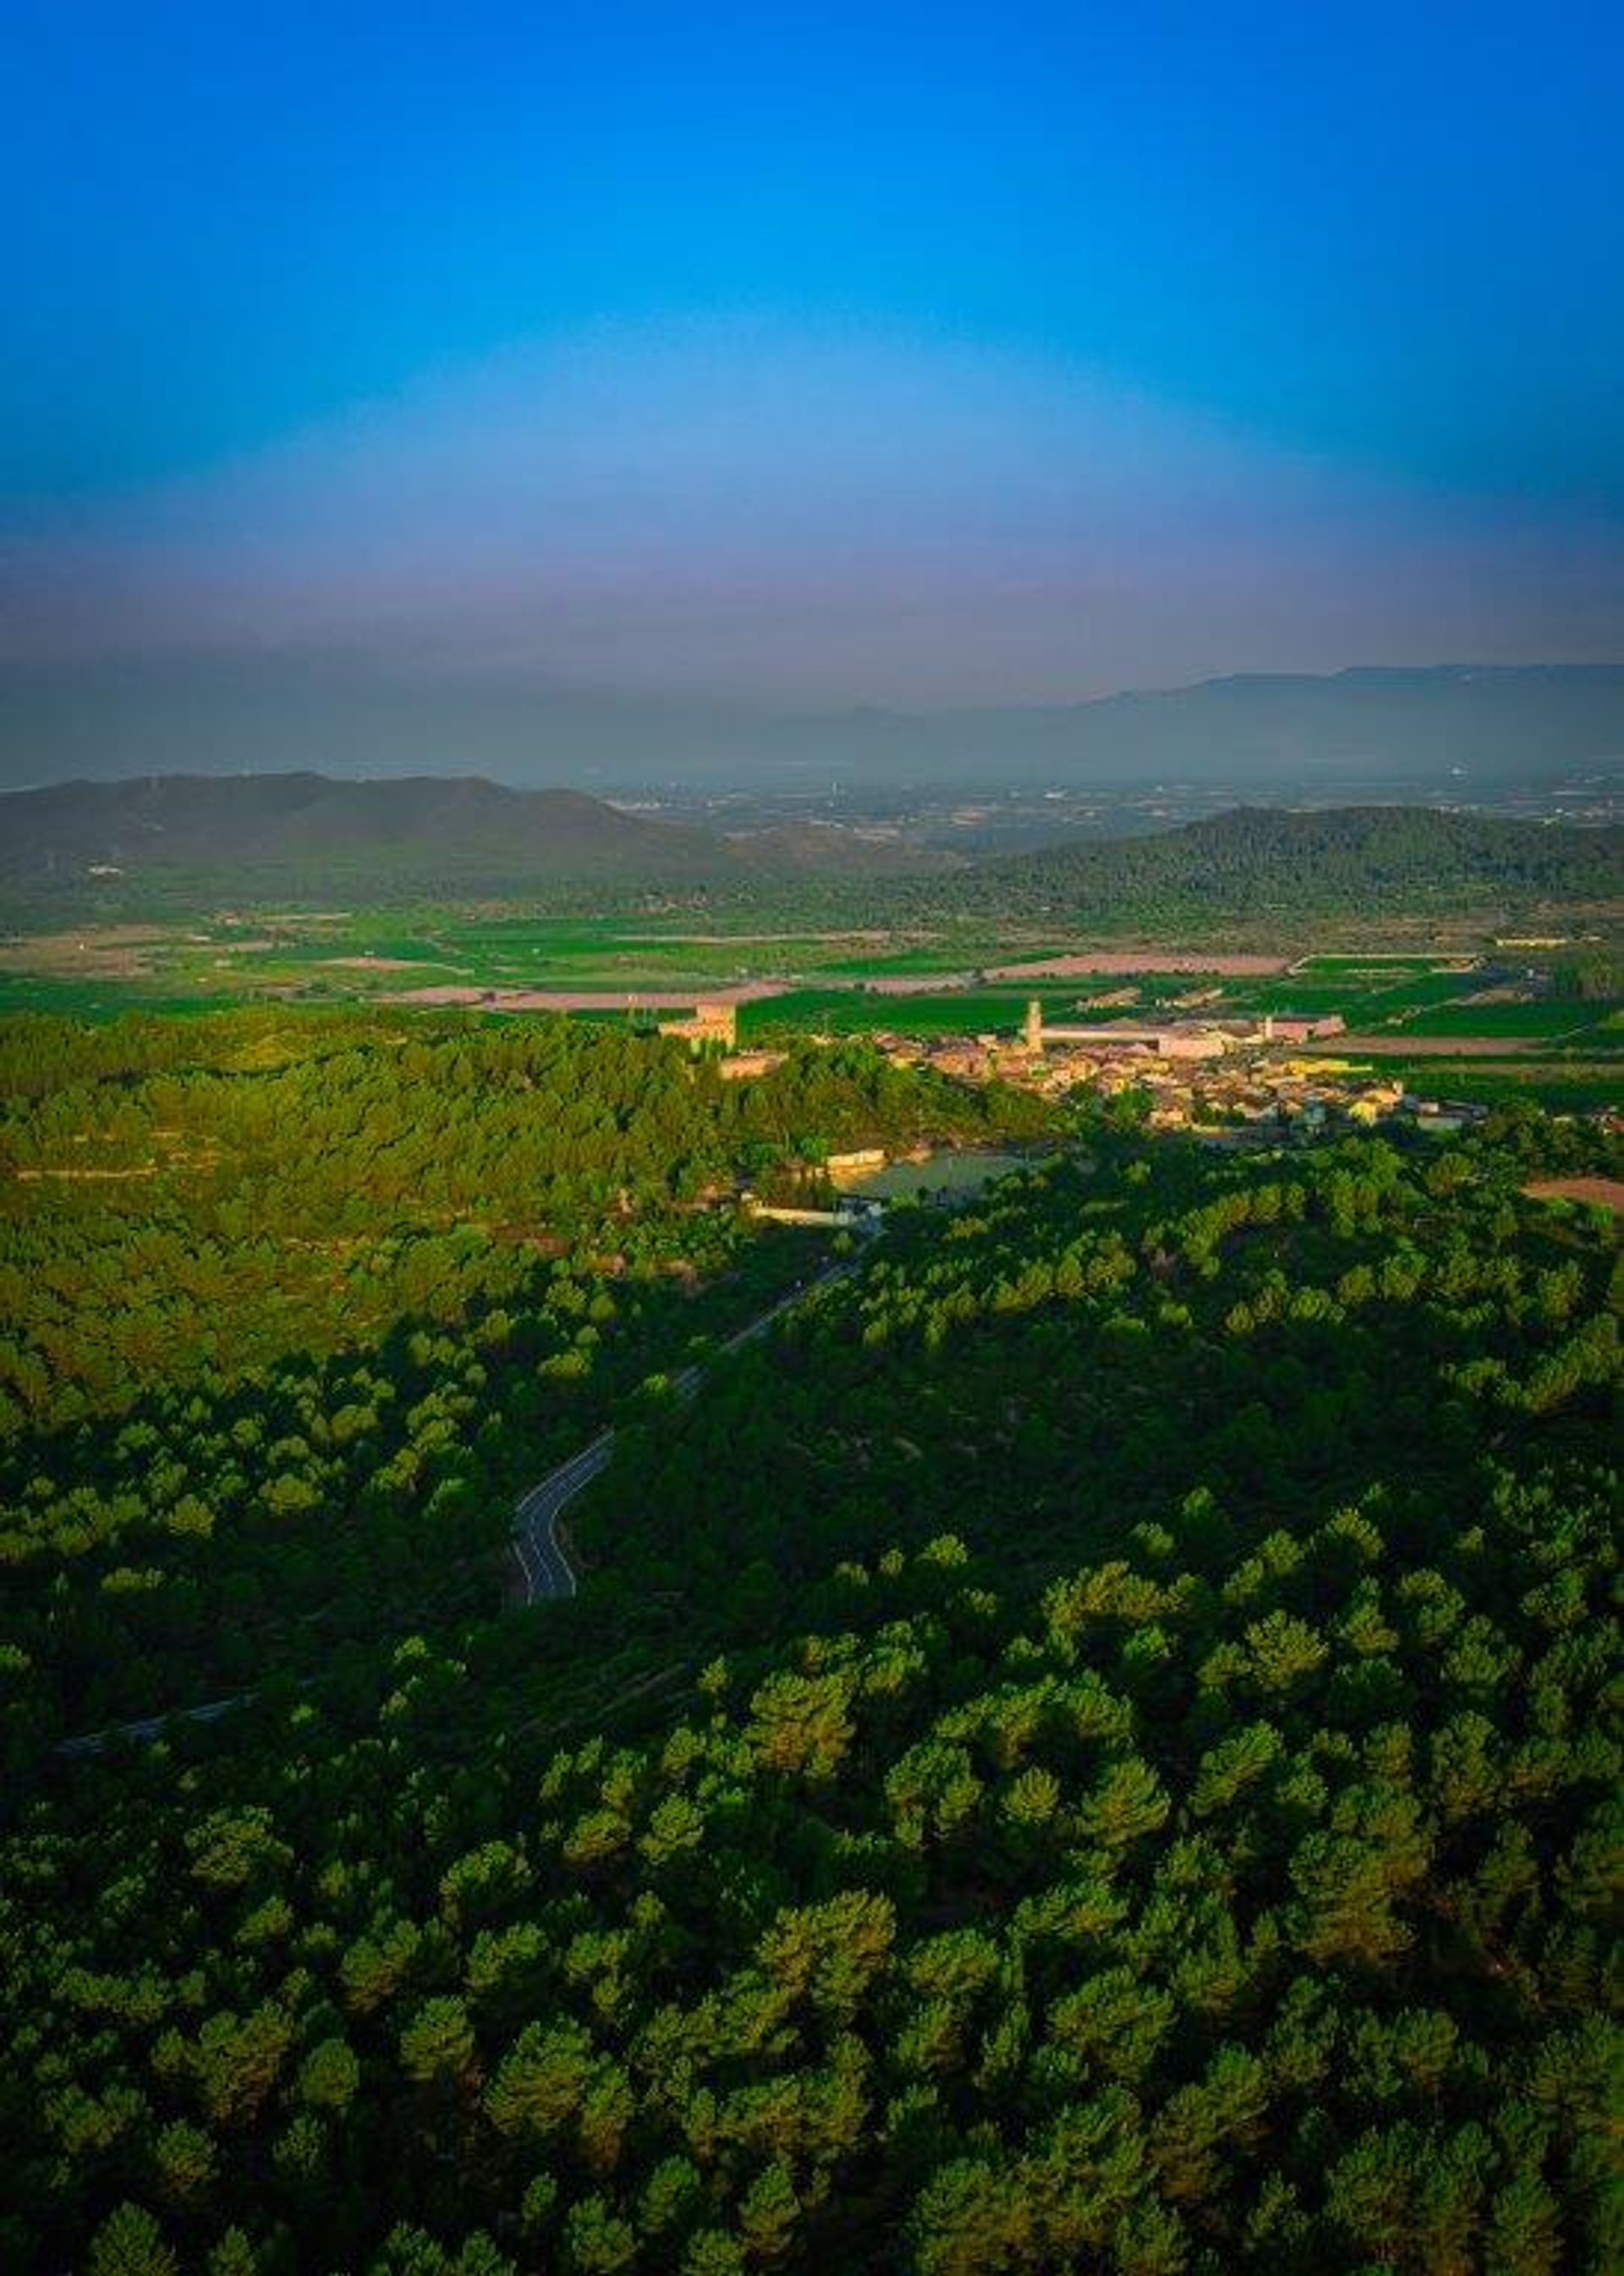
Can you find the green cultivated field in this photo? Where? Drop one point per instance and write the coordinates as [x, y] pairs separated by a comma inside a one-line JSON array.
[[1561, 1049], [356, 954], [1562, 1086], [946, 956], [1289, 996], [1357, 967], [1418, 989], [1544, 1020], [1356, 997], [957, 1012], [101, 999]]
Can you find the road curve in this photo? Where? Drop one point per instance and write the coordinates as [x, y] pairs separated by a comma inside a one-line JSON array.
[[545, 1572], [151, 1727]]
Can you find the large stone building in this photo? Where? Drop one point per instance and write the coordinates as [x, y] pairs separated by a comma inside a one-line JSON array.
[[707, 1023]]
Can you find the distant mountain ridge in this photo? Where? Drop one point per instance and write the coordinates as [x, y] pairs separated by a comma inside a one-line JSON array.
[[1371, 726], [256, 822], [1382, 729], [121, 843]]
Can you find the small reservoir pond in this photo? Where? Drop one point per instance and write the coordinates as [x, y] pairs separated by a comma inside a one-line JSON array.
[[956, 1170]]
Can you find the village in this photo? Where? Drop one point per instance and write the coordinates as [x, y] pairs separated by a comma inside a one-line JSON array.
[[1233, 1082]]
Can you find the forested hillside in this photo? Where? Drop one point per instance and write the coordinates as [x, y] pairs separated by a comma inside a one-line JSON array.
[[1268, 863], [179, 839], [181, 843], [1095, 1749], [293, 1304], [171, 844]]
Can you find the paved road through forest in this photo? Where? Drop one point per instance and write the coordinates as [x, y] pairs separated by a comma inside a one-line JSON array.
[[545, 1570]]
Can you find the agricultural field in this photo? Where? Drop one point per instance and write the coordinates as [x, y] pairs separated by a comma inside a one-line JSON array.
[[1544, 1021], [1417, 990], [101, 999], [344, 955], [860, 1011], [1372, 965], [1308, 998], [1361, 997], [855, 1010], [1561, 1085], [943, 956], [1479, 1025]]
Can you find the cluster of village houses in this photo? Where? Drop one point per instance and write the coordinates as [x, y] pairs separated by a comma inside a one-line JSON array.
[[1236, 1082]]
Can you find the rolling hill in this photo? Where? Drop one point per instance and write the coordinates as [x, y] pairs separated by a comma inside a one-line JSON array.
[[269, 821], [176, 841], [161, 837], [1264, 862]]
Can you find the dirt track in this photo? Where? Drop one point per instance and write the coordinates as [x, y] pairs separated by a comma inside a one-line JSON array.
[[1138, 960], [1398, 1046], [1606, 1193], [588, 999]]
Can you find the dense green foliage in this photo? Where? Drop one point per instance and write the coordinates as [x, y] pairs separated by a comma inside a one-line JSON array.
[[1590, 975], [251, 1187], [293, 1306], [177, 842], [1269, 864], [1111, 1764], [160, 840], [165, 842]]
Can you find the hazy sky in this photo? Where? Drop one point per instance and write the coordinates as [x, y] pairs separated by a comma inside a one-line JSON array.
[[833, 354]]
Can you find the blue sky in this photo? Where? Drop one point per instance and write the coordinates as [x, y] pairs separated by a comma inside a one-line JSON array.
[[787, 350]]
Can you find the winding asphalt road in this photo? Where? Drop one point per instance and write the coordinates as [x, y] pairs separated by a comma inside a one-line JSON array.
[[151, 1727], [544, 1569], [546, 1572]]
